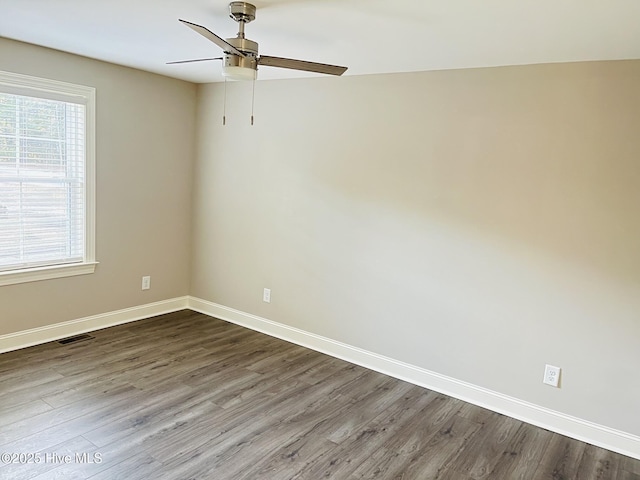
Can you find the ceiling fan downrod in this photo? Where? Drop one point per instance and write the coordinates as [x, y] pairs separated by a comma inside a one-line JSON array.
[[243, 13]]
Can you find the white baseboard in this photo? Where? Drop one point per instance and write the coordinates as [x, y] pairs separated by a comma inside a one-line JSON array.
[[36, 336], [592, 433]]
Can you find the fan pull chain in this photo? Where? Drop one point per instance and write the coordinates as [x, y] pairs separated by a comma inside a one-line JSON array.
[[253, 99], [224, 106]]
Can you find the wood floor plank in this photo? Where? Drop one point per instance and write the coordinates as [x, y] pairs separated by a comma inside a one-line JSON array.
[[479, 456], [50, 388], [359, 448], [291, 460], [127, 352], [522, 454], [561, 459], [90, 387], [50, 419], [429, 459], [28, 380], [365, 409], [425, 424], [263, 442], [140, 466], [597, 464], [279, 356], [154, 417], [328, 368], [251, 386], [629, 464], [216, 456], [16, 413], [213, 428], [185, 396], [97, 460], [92, 417], [626, 475], [11, 361]]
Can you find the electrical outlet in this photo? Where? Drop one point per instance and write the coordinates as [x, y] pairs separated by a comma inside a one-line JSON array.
[[266, 295], [146, 282], [551, 376]]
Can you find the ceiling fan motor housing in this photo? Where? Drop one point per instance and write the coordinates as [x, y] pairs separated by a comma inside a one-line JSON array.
[[250, 61], [249, 47], [244, 45]]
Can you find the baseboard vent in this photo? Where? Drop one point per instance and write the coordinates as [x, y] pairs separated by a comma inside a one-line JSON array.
[[77, 338]]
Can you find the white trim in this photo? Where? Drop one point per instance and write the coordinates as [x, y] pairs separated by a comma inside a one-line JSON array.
[[599, 435], [48, 272], [90, 176], [20, 84], [36, 336]]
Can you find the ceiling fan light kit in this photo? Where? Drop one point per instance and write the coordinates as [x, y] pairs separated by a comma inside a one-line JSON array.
[[239, 73]]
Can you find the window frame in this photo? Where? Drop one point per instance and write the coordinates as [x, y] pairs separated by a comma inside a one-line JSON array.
[[27, 85]]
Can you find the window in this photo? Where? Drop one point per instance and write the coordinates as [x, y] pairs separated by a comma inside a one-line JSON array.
[[47, 179]]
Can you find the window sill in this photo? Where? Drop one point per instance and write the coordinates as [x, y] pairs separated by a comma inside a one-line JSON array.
[[46, 273]]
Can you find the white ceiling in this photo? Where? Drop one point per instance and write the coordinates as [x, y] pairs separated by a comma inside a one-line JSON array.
[[368, 36]]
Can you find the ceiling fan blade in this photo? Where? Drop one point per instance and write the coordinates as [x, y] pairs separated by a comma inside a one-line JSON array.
[[209, 35], [301, 65], [196, 60]]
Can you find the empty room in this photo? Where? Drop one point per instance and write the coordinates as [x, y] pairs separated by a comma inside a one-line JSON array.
[[305, 239]]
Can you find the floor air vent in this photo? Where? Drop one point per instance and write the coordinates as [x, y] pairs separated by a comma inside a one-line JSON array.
[[77, 338]]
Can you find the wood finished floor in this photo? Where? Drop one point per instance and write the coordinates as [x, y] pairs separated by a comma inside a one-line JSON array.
[[184, 396]]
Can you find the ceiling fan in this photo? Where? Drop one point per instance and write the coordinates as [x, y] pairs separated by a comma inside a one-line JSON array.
[[241, 60]]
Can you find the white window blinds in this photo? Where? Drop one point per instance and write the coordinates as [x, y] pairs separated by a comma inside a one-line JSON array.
[[43, 208]]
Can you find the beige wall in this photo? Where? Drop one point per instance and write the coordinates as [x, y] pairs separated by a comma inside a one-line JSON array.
[[476, 223], [145, 151]]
